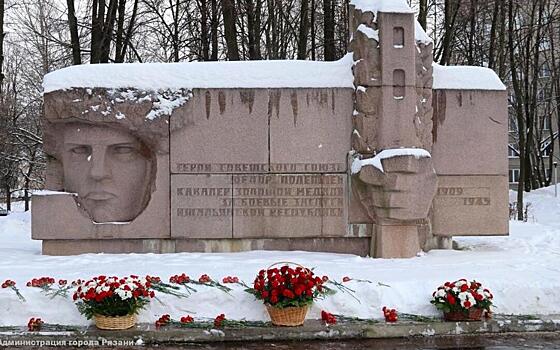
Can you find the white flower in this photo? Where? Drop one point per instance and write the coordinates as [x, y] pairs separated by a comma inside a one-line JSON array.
[[441, 293], [124, 294]]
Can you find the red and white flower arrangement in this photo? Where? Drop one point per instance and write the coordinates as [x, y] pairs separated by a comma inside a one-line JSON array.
[[112, 296], [462, 297]]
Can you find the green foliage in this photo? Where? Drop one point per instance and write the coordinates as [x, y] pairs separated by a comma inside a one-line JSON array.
[[112, 306]]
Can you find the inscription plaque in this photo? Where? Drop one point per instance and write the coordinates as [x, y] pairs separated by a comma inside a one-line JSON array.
[[465, 205], [253, 205], [201, 206]]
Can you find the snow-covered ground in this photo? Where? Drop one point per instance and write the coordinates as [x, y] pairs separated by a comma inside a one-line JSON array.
[[522, 270]]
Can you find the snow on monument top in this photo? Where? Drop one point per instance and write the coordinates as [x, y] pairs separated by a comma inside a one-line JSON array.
[[466, 78], [239, 74], [388, 6]]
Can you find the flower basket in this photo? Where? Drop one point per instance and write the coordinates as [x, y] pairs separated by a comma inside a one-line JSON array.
[[113, 302], [288, 292], [462, 300], [114, 323], [473, 314], [288, 316]]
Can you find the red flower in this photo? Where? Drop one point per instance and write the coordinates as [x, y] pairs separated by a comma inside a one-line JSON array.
[[204, 278], [451, 299], [467, 304], [218, 320], [390, 314], [346, 279], [328, 317], [62, 282], [34, 324], [464, 288], [187, 319], [8, 283], [230, 279], [163, 321], [288, 294]]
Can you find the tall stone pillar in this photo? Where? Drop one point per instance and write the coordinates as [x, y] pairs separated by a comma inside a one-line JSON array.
[[395, 178]]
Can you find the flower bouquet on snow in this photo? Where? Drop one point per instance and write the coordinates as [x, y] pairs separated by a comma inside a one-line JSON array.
[[288, 292], [113, 302], [462, 300]]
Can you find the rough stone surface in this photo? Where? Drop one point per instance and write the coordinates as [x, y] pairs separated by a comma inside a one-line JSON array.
[[359, 245], [404, 191], [481, 151], [222, 131], [397, 57], [398, 241], [310, 130], [471, 205]]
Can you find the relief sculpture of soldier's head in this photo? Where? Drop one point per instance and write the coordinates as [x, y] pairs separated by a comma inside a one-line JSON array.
[[111, 170]]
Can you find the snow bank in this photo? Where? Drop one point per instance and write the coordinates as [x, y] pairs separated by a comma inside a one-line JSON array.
[[357, 164], [522, 271], [188, 75], [466, 78]]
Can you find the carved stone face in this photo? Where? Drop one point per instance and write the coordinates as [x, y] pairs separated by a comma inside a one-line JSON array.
[[109, 169]]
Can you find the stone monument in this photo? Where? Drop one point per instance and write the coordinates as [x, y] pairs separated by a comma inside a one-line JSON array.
[[383, 153]]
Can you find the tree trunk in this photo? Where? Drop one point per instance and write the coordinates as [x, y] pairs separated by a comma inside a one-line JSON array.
[[230, 32], [97, 18], [108, 31], [175, 16], [518, 112], [313, 33], [8, 197], [252, 32], [120, 32], [26, 198], [423, 14], [303, 30], [472, 20], [493, 31], [74, 38], [451, 10], [328, 30], [214, 29], [1, 44], [204, 30], [129, 32]]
